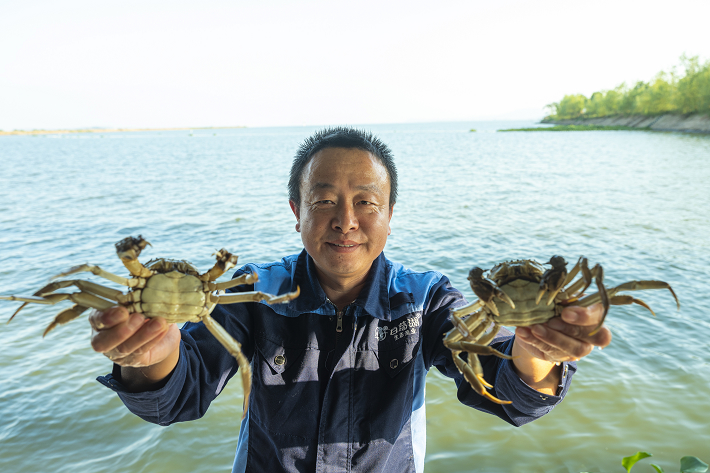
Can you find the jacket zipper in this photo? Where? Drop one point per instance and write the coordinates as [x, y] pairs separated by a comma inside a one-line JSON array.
[[339, 325]]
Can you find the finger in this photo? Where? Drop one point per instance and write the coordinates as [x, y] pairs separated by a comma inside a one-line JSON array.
[[591, 315], [601, 339], [527, 341], [147, 333], [108, 339], [151, 352], [570, 346], [101, 320], [148, 346]]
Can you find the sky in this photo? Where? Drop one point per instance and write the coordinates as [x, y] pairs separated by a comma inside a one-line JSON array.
[[154, 63]]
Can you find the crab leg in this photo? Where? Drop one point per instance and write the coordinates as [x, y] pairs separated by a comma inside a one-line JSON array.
[[255, 296], [468, 309], [460, 327], [89, 286], [628, 286], [67, 315], [583, 265], [469, 375], [235, 349], [477, 368], [247, 278], [225, 262], [472, 347], [44, 296], [603, 295], [488, 338], [136, 282], [468, 330], [83, 301], [582, 283], [37, 300], [483, 328], [628, 300]]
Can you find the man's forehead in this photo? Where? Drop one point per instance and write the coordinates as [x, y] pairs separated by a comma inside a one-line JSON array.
[[327, 161]]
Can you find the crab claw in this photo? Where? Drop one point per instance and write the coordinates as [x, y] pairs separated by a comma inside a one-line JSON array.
[[130, 248], [553, 280], [128, 251]]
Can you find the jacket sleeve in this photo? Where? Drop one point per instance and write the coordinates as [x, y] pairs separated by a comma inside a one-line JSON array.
[[202, 371], [528, 404]]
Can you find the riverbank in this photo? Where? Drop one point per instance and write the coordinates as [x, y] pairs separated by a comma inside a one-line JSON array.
[[692, 123], [110, 130]]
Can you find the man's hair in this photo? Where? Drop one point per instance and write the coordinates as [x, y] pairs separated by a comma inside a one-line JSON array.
[[340, 137]]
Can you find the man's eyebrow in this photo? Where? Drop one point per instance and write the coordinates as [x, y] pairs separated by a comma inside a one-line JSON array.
[[365, 187]]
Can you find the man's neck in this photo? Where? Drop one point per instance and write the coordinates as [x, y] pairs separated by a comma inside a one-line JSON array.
[[341, 291]]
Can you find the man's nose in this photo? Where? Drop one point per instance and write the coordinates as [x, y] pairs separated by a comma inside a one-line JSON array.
[[345, 219]]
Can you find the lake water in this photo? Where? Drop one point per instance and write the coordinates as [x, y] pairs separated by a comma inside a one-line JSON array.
[[636, 202]]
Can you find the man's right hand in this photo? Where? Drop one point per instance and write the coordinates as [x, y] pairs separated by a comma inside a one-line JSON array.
[[146, 349]]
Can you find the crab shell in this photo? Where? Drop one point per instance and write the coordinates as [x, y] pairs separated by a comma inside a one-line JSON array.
[[175, 293], [520, 280]]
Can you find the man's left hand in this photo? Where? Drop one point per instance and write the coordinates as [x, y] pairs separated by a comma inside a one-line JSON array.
[[565, 338]]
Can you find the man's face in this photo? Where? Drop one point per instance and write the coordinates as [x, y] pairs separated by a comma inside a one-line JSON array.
[[344, 213]]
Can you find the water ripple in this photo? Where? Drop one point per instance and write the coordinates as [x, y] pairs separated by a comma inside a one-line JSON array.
[[635, 202]]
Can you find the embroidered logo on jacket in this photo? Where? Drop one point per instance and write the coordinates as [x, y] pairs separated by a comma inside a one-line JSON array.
[[382, 332], [404, 328]]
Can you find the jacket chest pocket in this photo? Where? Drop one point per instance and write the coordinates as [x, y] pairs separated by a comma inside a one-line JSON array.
[[396, 357], [277, 360], [397, 343]]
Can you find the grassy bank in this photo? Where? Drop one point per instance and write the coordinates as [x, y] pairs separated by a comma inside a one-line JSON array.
[[573, 128]]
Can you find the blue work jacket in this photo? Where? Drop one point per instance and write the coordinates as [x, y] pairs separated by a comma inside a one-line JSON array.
[[334, 391]]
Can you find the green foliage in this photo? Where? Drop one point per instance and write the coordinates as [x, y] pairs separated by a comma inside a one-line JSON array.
[[629, 462], [666, 93], [572, 106], [689, 464], [472, 129]]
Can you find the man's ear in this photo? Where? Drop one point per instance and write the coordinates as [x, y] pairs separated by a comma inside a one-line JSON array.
[[389, 228], [297, 212]]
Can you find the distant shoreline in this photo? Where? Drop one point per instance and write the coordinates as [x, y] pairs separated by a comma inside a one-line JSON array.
[[111, 130], [688, 123]]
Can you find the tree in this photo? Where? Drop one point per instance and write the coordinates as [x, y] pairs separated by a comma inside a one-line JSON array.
[[658, 96], [572, 106], [665, 93], [596, 106]]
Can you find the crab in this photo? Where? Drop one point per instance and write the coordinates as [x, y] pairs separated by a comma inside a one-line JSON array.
[[171, 289], [527, 294]]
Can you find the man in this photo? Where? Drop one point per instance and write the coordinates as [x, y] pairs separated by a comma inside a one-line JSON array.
[[338, 374]]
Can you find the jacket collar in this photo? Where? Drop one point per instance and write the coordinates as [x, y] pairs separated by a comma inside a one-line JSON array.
[[373, 298]]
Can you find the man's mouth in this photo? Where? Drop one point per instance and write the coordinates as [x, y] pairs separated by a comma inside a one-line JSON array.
[[343, 245]]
